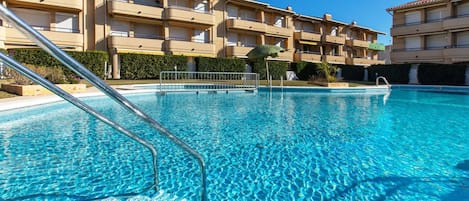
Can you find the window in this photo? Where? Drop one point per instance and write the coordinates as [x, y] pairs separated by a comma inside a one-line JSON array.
[[232, 39], [200, 36], [436, 14], [120, 28], [370, 38], [66, 22], [145, 31], [279, 21], [39, 20], [435, 41], [462, 39], [200, 6], [147, 2], [412, 18], [179, 33], [232, 12], [248, 41], [334, 31], [463, 9], [247, 15], [179, 3], [280, 42], [412, 43], [308, 27]]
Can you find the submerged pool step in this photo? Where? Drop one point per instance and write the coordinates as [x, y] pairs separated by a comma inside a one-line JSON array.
[[160, 196]]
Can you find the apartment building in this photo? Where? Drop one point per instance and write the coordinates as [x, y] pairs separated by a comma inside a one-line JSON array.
[[430, 31], [209, 28]]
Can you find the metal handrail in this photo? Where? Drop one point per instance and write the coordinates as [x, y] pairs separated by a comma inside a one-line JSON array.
[[78, 68], [384, 79]]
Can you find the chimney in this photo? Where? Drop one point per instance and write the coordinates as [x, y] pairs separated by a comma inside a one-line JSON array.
[[289, 8], [354, 23], [327, 17]]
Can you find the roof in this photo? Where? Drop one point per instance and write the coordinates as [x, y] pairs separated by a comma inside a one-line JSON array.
[[414, 4]]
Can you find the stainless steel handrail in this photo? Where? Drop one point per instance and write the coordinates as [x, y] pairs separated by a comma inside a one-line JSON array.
[[79, 69], [83, 106], [384, 79]]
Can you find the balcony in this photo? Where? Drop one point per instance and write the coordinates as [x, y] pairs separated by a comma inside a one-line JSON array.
[[358, 43], [457, 54], [418, 56], [362, 61], [334, 39], [69, 4], [284, 56], [246, 25], [126, 44], [278, 31], [334, 59], [61, 39], [236, 51], [137, 11], [456, 23], [418, 28], [308, 56], [188, 48], [188, 15], [377, 46], [307, 36]]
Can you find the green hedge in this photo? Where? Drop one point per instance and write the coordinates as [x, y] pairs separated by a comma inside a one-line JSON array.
[[206, 64], [351, 72], [442, 74], [144, 66], [93, 60], [394, 73], [304, 70], [276, 68]]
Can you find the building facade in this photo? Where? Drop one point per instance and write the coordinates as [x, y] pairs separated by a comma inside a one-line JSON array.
[[431, 31], [209, 28]]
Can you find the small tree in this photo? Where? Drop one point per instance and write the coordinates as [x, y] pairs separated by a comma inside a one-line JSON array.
[[327, 71]]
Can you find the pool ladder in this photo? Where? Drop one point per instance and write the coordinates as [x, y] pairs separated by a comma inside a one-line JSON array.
[[79, 69], [384, 80]]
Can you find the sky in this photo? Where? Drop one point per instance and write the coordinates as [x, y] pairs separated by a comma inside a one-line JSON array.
[[367, 13]]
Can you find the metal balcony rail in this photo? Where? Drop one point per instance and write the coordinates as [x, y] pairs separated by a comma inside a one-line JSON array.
[[79, 69], [179, 81]]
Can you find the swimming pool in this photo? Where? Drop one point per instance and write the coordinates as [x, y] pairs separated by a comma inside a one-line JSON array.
[[291, 146]]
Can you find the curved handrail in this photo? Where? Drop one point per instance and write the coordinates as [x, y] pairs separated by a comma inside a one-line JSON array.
[[78, 68], [384, 79]]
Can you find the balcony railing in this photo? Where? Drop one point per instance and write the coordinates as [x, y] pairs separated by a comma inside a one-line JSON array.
[[334, 39], [308, 56], [334, 59], [358, 43], [246, 25], [135, 10], [303, 35], [190, 48], [154, 44], [69, 4], [189, 15], [236, 51], [362, 61], [278, 31], [61, 39]]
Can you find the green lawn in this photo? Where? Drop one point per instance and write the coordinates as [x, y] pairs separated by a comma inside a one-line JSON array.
[[6, 95]]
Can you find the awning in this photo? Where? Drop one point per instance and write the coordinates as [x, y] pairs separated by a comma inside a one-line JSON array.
[[308, 42]]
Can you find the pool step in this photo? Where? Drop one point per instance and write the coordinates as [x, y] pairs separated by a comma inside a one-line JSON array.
[[160, 196]]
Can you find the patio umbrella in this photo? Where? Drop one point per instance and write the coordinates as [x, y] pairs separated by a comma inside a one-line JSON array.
[[264, 51]]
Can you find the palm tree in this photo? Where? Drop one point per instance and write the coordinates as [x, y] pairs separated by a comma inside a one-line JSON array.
[[327, 70]]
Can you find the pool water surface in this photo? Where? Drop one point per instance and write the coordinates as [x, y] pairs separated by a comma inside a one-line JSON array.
[[257, 146]]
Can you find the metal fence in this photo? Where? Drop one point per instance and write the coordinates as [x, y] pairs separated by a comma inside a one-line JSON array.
[[207, 81]]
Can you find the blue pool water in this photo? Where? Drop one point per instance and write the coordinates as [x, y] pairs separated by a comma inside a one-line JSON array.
[[295, 146]]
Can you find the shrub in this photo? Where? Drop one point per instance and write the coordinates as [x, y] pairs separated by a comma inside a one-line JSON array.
[[304, 70], [93, 60], [276, 69], [442, 74], [53, 74], [206, 64], [350, 72], [326, 71], [144, 66], [394, 73]]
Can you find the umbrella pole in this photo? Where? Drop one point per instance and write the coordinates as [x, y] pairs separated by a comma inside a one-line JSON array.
[[268, 74]]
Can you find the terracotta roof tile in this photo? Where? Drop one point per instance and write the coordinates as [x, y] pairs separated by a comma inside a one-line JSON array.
[[415, 4]]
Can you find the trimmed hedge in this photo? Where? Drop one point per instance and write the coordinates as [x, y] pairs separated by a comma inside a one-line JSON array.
[[276, 68], [93, 60], [442, 74], [144, 66], [394, 73], [351, 72], [206, 64], [304, 70]]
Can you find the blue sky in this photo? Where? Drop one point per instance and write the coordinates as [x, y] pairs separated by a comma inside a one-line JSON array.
[[368, 13]]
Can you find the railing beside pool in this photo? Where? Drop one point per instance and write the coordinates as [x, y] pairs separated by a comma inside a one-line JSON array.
[[78, 68], [176, 81]]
